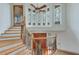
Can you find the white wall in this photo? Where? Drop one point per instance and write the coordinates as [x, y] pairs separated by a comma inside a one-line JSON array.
[[5, 17], [69, 40]]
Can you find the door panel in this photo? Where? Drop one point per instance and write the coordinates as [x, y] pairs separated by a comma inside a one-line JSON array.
[[39, 45]]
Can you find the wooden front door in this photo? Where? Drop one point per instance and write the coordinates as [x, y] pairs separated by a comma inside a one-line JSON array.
[[17, 14], [39, 43]]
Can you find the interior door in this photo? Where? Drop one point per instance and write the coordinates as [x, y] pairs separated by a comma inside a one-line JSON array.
[[38, 47], [39, 43], [17, 14]]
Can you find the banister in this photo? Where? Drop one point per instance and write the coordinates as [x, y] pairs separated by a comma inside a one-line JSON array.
[[24, 31]]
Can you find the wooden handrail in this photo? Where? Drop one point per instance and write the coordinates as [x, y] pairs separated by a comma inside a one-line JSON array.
[[24, 31]]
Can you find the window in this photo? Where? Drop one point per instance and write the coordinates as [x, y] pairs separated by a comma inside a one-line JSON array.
[[58, 14]]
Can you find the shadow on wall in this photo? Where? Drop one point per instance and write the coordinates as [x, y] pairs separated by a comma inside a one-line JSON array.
[[5, 17], [68, 41]]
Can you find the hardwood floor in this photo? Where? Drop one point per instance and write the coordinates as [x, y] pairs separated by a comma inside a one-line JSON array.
[[61, 52]]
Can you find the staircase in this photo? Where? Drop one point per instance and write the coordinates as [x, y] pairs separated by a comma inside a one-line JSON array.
[[12, 33], [11, 42]]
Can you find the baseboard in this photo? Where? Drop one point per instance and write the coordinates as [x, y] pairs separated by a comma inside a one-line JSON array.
[[70, 52]]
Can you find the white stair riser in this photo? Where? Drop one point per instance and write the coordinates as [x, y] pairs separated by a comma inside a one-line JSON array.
[[10, 35]]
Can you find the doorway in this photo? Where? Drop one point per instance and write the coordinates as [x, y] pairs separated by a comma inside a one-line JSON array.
[[39, 44], [38, 48], [17, 14]]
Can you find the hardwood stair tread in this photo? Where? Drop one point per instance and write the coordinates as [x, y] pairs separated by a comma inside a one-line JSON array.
[[11, 48], [7, 51], [8, 42], [25, 52], [9, 36], [11, 33], [18, 50], [17, 38], [14, 30], [16, 26]]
